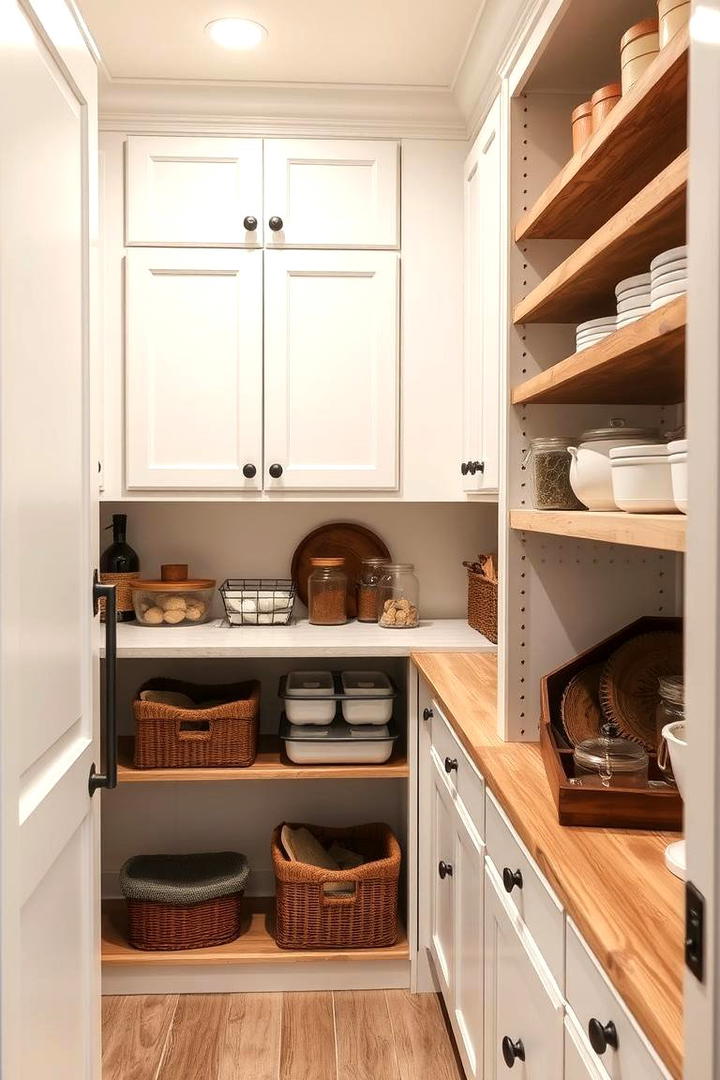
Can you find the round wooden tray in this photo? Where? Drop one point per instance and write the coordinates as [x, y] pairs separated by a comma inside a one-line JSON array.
[[580, 709], [629, 683], [337, 539]]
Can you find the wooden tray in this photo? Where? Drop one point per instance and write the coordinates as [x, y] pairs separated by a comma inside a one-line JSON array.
[[339, 538], [623, 808]]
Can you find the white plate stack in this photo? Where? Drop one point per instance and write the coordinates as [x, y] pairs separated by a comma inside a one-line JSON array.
[[633, 299], [668, 276], [589, 333]]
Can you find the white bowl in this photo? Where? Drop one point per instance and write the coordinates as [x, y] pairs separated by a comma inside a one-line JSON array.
[[678, 470], [633, 294], [607, 322], [628, 284], [635, 304], [675, 735], [590, 469], [666, 278], [598, 336], [642, 480], [671, 255], [668, 288], [660, 301]]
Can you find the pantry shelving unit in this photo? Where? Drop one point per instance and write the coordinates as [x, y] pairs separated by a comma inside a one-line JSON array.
[[663, 532]]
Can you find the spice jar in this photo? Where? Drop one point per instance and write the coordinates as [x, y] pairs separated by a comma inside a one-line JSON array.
[[671, 708], [398, 596], [549, 464], [327, 592], [609, 761], [367, 603], [582, 125], [638, 48]]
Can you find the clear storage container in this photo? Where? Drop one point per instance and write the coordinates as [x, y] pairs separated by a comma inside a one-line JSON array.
[[174, 599], [549, 464], [327, 592], [369, 697], [338, 744], [367, 603], [609, 761], [399, 597]]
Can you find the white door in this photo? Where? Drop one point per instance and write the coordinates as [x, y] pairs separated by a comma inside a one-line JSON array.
[[578, 1062], [485, 289], [442, 876], [469, 961], [194, 369], [49, 869], [331, 370], [335, 193], [198, 192]]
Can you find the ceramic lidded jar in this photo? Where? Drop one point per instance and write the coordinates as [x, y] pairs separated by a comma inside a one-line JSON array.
[[590, 469]]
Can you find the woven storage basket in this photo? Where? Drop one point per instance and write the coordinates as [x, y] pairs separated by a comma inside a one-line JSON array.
[[483, 606], [168, 737], [184, 901], [307, 918]]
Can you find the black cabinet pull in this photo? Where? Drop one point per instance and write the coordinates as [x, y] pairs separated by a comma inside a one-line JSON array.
[[465, 468], [249, 471], [512, 1050], [276, 471], [450, 765], [476, 466], [445, 870], [602, 1035], [428, 714], [512, 878], [250, 223], [275, 223], [107, 779]]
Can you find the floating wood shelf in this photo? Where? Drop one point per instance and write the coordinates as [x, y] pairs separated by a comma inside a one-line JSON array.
[[664, 532], [583, 286], [642, 134], [270, 764], [256, 944], [643, 363]]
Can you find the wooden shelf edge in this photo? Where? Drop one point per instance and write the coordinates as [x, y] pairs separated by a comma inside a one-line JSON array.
[[574, 380], [662, 532]]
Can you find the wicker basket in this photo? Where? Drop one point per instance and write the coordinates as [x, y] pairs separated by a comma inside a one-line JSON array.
[[168, 737], [483, 606], [308, 918]]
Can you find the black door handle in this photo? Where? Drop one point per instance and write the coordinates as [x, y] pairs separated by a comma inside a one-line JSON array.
[[450, 764], [107, 779], [276, 224], [250, 223], [427, 715], [602, 1035], [476, 466], [511, 878], [465, 468], [512, 1050], [276, 471], [249, 471], [445, 870]]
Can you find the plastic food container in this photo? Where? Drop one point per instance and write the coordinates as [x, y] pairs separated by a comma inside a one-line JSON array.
[[369, 697], [337, 744], [673, 14], [641, 479], [309, 697], [609, 761], [590, 469], [582, 125], [638, 48], [678, 472], [174, 599]]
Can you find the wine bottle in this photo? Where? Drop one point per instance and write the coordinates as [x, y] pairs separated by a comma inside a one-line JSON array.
[[119, 564]]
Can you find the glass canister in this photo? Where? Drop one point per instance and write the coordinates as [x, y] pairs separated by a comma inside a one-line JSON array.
[[367, 603], [399, 596], [671, 707], [610, 761], [327, 592], [549, 464]]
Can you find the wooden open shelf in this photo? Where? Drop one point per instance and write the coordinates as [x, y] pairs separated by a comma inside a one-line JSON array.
[[256, 944], [642, 134], [664, 532], [583, 286], [270, 764], [643, 364]]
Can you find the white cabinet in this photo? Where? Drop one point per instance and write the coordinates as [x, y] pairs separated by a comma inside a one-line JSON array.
[[194, 369], [442, 870], [203, 192], [485, 303], [579, 1063], [331, 370], [468, 952], [332, 193]]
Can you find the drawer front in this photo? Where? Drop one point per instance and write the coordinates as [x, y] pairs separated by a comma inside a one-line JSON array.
[[579, 1058], [464, 779], [535, 903], [590, 997]]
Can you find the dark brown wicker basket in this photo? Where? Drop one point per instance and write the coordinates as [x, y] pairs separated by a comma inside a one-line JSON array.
[[308, 918], [167, 737], [171, 927], [483, 606]]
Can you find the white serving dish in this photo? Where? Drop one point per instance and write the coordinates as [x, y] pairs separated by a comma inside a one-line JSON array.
[[675, 735], [338, 744], [660, 301], [666, 277], [606, 323], [636, 296], [369, 697], [304, 694], [638, 303], [641, 479], [670, 288], [678, 471], [630, 284], [671, 255], [590, 472]]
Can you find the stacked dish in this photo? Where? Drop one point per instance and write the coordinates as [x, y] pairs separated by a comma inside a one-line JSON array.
[[589, 333], [633, 299], [668, 276]]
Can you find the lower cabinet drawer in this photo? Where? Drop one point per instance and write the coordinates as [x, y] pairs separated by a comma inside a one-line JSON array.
[[463, 777], [610, 1035], [579, 1058]]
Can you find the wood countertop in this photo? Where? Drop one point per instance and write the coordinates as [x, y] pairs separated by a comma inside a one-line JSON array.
[[612, 882]]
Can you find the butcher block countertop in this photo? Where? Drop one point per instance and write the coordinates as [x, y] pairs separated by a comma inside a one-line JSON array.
[[612, 882]]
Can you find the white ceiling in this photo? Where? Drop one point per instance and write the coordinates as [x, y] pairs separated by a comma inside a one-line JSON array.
[[379, 42]]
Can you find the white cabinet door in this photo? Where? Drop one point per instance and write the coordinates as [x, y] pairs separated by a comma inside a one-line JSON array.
[[331, 193], [200, 192], [523, 1015], [578, 1062], [194, 369], [485, 290], [331, 370], [442, 886], [469, 961]]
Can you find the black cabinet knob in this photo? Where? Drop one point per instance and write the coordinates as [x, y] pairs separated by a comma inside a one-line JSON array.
[[249, 471], [428, 714], [511, 878], [445, 870], [512, 1050], [450, 764], [475, 467], [250, 223], [602, 1035], [275, 223], [465, 468], [276, 471]]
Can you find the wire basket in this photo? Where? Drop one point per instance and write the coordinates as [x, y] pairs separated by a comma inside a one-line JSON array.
[[258, 601]]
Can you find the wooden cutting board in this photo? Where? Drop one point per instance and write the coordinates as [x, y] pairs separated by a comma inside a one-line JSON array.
[[337, 539]]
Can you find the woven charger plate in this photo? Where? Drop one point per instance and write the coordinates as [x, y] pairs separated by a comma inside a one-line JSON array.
[[580, 709], [629, 683]]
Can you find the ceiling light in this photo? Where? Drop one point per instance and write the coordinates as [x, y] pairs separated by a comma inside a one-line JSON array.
[[236, 33]]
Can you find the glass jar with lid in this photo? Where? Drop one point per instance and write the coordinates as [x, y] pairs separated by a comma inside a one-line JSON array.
[[549, 464], [327, 592], [398, 596], [671, 708], [610, 761], [367, 604]]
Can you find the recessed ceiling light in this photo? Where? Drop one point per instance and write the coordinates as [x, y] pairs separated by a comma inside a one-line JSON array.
[[236, 33]]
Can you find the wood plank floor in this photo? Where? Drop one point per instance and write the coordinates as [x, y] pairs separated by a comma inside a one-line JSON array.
[[353, 1035]]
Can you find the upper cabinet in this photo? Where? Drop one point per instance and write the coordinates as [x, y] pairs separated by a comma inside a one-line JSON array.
[[332, 193], [193, 192]]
